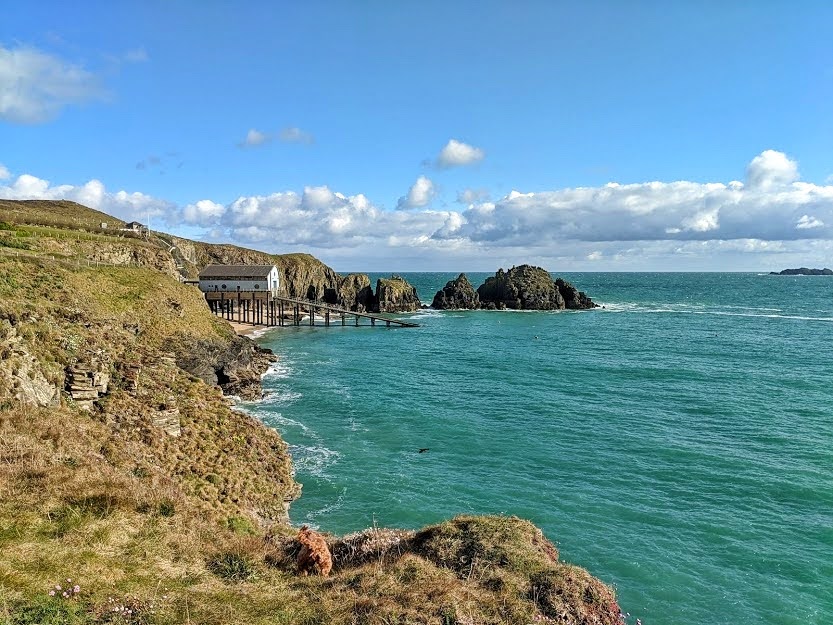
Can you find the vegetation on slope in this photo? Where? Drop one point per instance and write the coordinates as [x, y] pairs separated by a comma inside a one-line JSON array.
[[155, 524]]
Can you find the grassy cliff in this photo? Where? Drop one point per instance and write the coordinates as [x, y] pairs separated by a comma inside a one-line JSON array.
[[163, 505]]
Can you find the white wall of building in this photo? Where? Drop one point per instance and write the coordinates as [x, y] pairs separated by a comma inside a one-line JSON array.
[[230, 285]]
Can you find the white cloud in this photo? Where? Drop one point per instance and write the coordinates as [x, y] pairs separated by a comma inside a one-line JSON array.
[[289, 134], [420, 194], [254, 138], [470, 196], [121, 204], [668, 225], [203, 213], [292, 134], [35, 86], [5, 174], [771, 169], [456, 153], [703, 221], [805, 222]]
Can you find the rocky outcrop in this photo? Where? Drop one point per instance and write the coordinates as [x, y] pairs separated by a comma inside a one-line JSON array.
[[21, 377], [235, 366], [573, 298], [530, 288], [457, 294], [803, 271], [522, 288], [355, 292], [395, 294], [307, 277], [87, 381], [96, 252]]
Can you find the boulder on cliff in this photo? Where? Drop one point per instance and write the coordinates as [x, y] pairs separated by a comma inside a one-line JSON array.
[[457, 294], [395, 294], [355, 292]]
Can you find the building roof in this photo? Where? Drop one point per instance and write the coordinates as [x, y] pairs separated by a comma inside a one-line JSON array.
[[236, 271]]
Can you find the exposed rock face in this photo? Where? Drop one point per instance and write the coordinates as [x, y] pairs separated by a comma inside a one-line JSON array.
[[21, 377], [530, 288], [236, 366], [307, 277], [457, 294], [573, 298], [394, 294], [522, 288], [109, 253], [355, 292], [87, 381], [803, 271]]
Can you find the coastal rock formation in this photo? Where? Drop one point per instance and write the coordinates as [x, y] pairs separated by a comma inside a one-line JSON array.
[[573, 298], [236, 366], [457, 294], [86, 382], [803, 271], [530, 288], [523, 288], [21, 377], [394, 294], [355, 292]]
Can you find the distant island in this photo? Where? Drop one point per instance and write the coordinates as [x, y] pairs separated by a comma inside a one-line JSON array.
[[803, 271]]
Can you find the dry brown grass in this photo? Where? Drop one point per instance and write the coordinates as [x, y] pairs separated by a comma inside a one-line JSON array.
[[177, 529]]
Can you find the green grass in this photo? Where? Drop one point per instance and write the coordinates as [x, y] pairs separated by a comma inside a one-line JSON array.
[[191, 529]]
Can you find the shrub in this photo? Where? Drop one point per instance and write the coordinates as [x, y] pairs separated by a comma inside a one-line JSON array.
[[233, 566]]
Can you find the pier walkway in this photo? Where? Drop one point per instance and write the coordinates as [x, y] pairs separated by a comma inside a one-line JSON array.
[[266, 309]]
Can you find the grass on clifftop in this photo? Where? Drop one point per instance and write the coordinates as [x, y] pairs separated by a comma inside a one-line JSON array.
[[155, 529]]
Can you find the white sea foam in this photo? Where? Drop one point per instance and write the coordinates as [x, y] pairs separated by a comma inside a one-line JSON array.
[[313, 459], [280, 396], [277, 420], [278, 370], [724, 311]]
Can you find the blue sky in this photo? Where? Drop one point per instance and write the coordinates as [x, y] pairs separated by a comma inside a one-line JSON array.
[[436, 135]]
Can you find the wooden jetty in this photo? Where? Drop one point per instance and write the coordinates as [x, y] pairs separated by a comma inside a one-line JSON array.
[[267, 309]]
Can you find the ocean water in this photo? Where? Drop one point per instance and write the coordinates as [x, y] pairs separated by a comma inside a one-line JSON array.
[[677, 443]]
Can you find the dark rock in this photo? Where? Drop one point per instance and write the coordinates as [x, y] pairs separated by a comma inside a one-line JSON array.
[[395, 294], [355, 292], [573, 298], [803, 271], [457, 294], [522, 288], [235, 366]]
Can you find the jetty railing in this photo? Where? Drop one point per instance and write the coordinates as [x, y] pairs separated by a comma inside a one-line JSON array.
[[266, 309]]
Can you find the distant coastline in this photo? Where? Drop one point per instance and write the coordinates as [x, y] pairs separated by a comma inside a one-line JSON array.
[[802, 271]]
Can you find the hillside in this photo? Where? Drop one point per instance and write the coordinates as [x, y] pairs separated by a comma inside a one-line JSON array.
[[124, 469]]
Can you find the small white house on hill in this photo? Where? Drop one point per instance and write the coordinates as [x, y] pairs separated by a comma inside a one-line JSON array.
[[234, 278]]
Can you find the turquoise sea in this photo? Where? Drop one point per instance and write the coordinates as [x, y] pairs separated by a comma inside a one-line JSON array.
[[677, 443]]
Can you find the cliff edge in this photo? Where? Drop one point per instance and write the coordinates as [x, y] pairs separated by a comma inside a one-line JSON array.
[[131, 492]]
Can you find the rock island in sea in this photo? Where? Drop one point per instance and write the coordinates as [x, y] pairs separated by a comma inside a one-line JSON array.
[[524, 287]]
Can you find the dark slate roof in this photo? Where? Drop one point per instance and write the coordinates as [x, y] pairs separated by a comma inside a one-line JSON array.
[[236, 271]]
